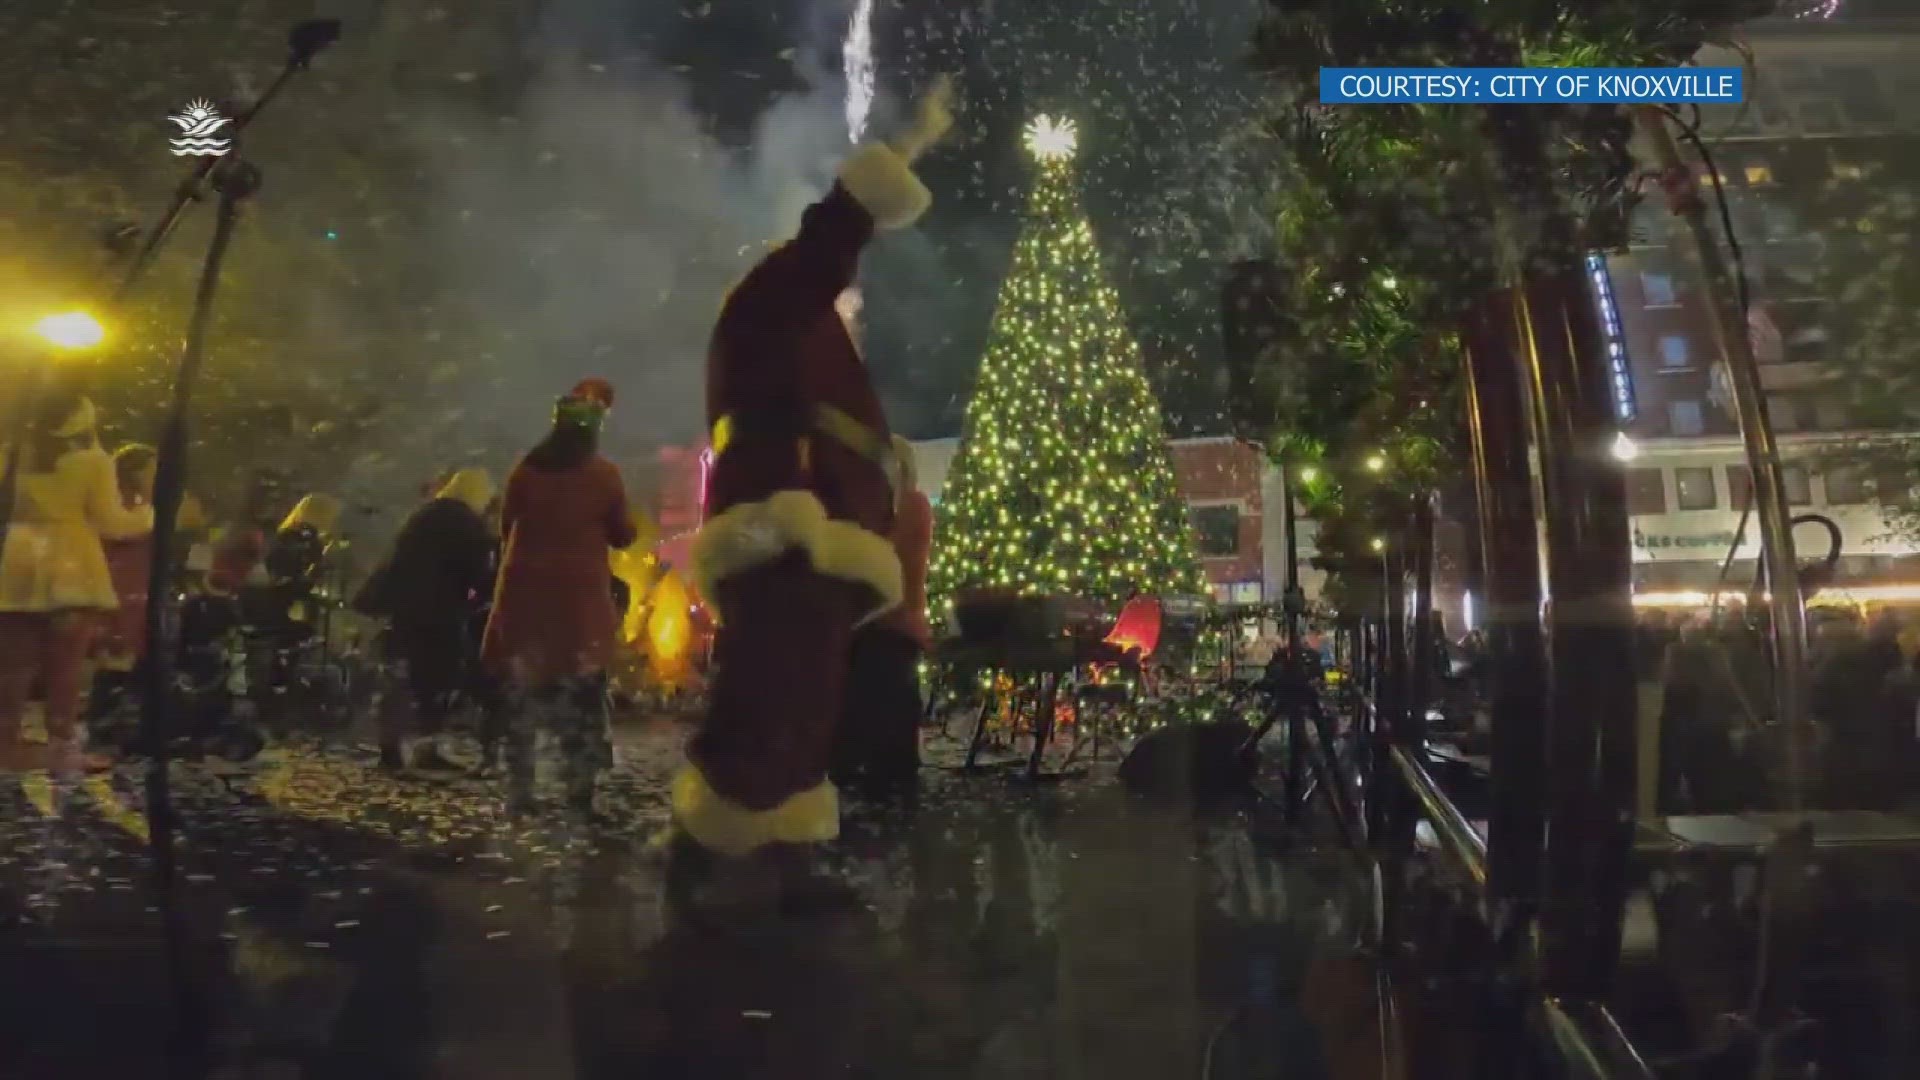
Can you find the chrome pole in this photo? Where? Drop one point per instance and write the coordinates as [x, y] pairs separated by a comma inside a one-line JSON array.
[[1786, 606]]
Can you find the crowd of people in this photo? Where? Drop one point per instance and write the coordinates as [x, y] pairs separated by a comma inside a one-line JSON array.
[[811, 558], [1715, 703]]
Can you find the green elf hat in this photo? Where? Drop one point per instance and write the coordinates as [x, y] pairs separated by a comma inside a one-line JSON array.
[[585, 405]]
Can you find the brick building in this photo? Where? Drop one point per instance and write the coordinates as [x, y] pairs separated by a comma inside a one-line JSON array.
[[1228, 487], [1832, 109]]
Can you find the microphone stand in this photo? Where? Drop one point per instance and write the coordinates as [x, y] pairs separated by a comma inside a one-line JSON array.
[[235, 180], [304, 43]]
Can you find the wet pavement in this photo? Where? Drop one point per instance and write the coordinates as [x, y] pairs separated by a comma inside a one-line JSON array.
[[342, 923]]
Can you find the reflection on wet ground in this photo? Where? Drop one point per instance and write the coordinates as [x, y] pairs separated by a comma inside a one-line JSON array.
[[346, 924]]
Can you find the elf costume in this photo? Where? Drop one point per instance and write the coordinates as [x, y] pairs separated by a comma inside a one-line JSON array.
[[795, 552]]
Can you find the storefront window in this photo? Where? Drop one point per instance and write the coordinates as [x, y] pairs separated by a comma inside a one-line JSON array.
[[1892, 487], [1646, 491], [1694, 489], [1740, 484], [1799, 492], [1845, 488]]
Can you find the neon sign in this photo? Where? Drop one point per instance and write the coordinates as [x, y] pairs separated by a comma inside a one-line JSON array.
[[1618, 369]]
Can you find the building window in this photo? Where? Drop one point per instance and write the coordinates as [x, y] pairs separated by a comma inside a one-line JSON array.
[[1845, 488], [1799, 491], [1861, 98], [1785, 412], [1759, 174], [1657, 289], [1693, 489], [1892, 487], [1819, 117], [1847, 170], [1646, 491], [1674, 354], [1216, 529], [1792, 477], [1686, 418]]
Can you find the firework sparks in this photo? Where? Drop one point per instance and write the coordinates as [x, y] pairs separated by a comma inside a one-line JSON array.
[[856, 59]]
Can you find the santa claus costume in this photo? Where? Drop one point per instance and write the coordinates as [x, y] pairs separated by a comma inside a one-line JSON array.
[[795, 552]]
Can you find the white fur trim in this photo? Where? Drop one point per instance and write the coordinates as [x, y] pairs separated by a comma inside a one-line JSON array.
[[808, 817], [882, 181], [755, 533]]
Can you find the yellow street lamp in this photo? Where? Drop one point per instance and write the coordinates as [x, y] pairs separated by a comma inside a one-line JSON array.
[[71, 330], [1376, 462], [1379, 543], [1309, 474]]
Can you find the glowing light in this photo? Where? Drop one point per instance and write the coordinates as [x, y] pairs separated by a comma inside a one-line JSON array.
[[1051, 139], [856, 62], [1837, 595], [1376, 462], [1816, 9], [1062, 484], [1466, 610], [1624, 448], [1379, 543], [1622, 377], [70, 330], [1309, 474]]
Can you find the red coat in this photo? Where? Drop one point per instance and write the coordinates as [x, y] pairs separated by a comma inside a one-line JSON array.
[[779, 482], [553, 614], [913, 542]]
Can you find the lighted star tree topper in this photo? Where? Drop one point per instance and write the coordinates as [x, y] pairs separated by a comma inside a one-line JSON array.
[[1062, 484]]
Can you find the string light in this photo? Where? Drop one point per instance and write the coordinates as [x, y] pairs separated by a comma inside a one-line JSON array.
[[1062, 484]]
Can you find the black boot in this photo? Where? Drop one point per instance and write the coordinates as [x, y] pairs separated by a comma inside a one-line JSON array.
[[716, 893], [393, 761], [806, 887]]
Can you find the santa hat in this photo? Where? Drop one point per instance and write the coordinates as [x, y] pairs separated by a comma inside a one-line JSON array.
[[586, 404], [598, 391]]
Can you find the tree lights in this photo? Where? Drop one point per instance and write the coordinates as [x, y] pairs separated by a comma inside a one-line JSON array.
[[1062, 484]]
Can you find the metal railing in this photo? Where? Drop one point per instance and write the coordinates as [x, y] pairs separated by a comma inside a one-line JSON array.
[[1585, 1036]]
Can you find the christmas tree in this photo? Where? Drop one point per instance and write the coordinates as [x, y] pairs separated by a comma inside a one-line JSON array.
[[1062, 484]]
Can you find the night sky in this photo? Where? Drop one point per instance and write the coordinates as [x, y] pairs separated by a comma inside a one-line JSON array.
[[1156, 88]]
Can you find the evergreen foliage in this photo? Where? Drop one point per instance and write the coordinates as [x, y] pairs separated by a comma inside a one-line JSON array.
[[1063, 483]]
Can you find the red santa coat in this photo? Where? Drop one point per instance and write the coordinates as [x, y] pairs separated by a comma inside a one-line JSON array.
[[783, 380], [800, 497], [553, 614]]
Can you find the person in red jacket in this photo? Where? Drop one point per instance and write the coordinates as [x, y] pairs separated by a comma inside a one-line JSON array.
[[795, 552], [552, 631]]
